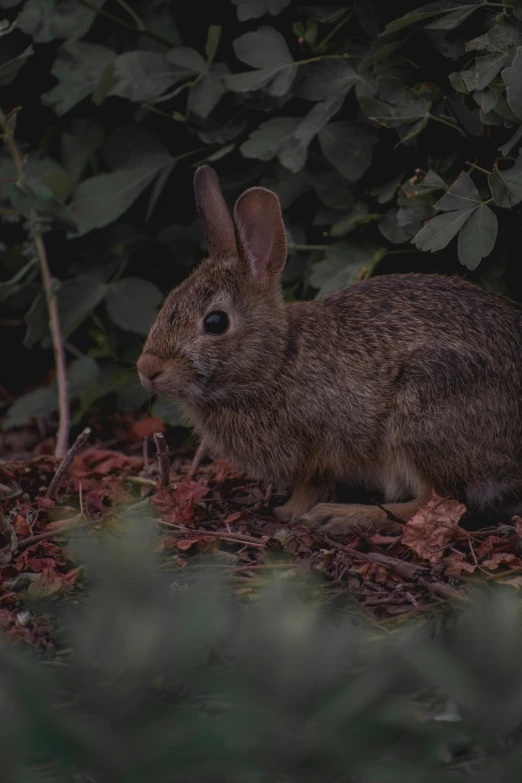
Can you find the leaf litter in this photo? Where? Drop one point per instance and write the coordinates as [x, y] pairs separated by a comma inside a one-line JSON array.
[[227, 516]]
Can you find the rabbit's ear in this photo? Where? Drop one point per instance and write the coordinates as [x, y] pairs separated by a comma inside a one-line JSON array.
[[219, 228], [261, 232]]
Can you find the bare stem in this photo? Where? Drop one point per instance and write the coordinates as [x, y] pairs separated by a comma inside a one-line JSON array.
[[75, 448], [478, 168], [163, 459], [62, 437], [198, 456]]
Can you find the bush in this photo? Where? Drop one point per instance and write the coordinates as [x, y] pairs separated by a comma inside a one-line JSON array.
[[173, 679], [388, 131]]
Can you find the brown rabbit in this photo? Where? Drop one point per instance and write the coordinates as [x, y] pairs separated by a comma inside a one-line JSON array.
[[400, 384]]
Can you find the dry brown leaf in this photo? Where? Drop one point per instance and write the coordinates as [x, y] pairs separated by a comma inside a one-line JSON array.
[[501, 557], [456, 563], [433, 527]]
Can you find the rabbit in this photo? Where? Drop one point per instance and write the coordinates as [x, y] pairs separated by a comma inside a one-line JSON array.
[[401, 384]]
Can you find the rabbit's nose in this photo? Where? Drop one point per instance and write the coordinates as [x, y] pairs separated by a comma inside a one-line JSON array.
[[149, 367]]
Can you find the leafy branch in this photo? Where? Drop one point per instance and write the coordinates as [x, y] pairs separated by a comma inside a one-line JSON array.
[[62, 438]]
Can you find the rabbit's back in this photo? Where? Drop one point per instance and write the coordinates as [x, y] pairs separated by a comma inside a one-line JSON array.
[[448, 357]]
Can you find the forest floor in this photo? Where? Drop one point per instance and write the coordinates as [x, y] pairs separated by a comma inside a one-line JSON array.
[[228, 517]]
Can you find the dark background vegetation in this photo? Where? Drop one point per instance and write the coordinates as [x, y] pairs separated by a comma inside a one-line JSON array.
[[359, 115], [390, 132]]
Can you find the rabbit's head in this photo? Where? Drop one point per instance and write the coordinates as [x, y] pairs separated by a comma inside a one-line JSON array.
[[218, 333]]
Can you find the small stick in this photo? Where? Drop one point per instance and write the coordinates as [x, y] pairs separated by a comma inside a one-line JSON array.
[[402, 567], [146, 455], [389, 514], [268, 493], [78, 443], [198, 456], [236, 537], [30, 540], [478, 168], [163, 459]]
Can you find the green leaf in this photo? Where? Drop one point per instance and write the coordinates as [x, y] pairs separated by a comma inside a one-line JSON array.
[[77, 298], [512, 77], [253, 9], [45, 20], [293, 155], [145, 76], [506, 148], [499, 39], [454, 18], [506, 186], [342, 264], [37, 403], [477, 236], [213, 36], [81, 373], [266, 50], [44, 401], [266, 141], [78, 68], [40, 198], [391, 229], [102, 199], [132, 304], [440, 230], [207, 93], [104, 86], [327, 78], [78, 145], [453, 13], [461, 194], [396, 104], [9, 70], [264, 47], [348, 147]]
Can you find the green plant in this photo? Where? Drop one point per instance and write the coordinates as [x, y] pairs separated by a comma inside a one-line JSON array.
[[387, 130]]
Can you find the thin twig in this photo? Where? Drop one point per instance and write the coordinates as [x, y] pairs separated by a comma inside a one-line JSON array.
[[163, 459], [30, 540], [146, 455], [402, 567], [478, 168], [80, 440], [62, 436], [196, 462], [239, 538]]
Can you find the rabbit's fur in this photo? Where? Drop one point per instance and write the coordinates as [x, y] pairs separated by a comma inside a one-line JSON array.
[[401, 383]]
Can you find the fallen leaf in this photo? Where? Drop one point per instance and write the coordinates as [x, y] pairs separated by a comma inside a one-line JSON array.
[[145, 428], [48, 583], [513, 581], [233, 517], [433, 527], [456, 563], [499, 558], [22, 527]]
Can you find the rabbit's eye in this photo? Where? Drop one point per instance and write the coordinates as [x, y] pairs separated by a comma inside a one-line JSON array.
[[216, 322]]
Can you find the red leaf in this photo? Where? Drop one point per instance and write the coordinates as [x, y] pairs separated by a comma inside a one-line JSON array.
[[145, 428], [22, 526], [456, 563], [189, 491], [433, 528], [501, 557]]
